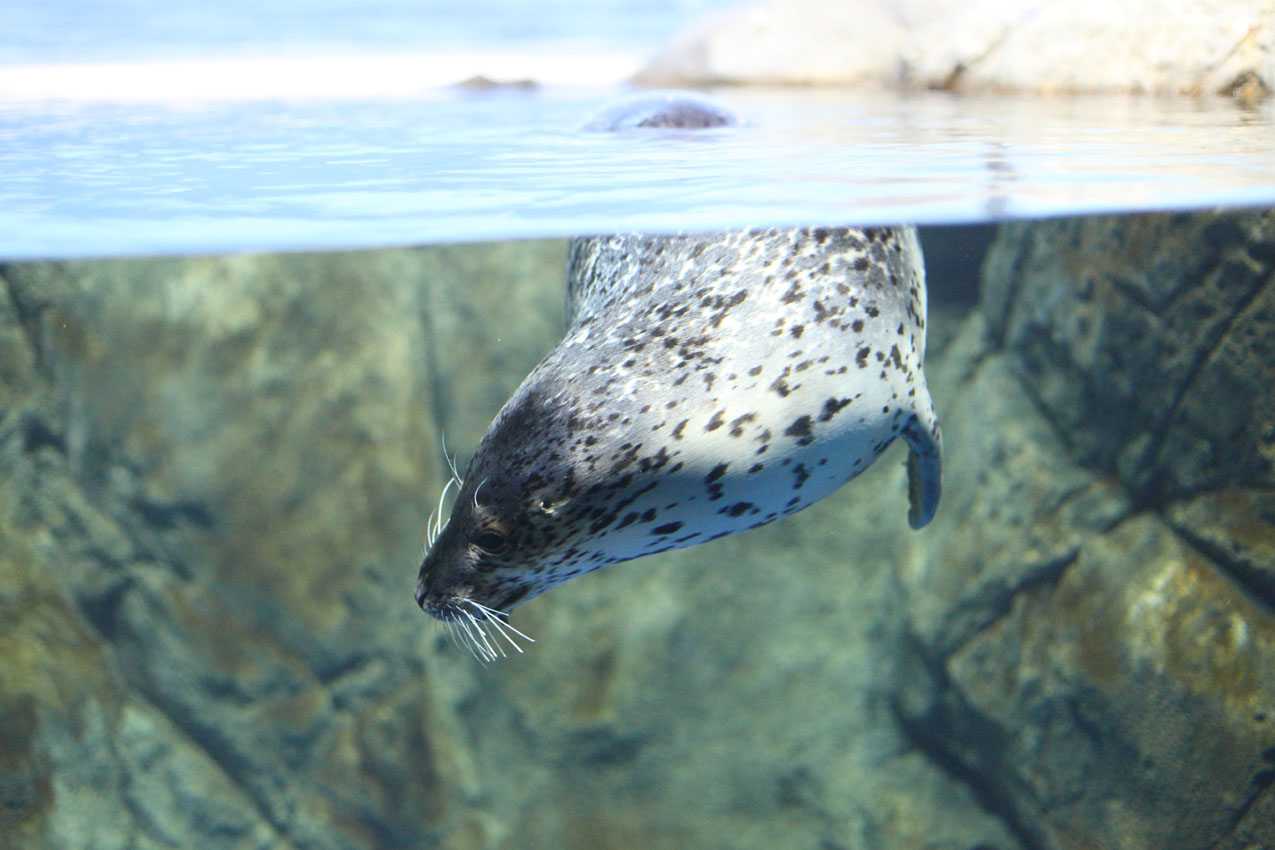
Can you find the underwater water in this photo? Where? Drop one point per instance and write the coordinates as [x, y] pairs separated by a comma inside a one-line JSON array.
[[215, 474], [222, 432]]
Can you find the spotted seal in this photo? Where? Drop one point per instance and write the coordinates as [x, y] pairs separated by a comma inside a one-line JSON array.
[[706, 385]]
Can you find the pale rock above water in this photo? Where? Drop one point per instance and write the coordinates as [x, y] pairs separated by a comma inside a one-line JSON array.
[[1194, 47]]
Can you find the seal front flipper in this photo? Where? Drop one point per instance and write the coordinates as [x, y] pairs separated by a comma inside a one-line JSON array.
[[925, 466]]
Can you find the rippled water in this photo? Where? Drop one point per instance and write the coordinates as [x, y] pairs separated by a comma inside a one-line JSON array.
[[102, 178]]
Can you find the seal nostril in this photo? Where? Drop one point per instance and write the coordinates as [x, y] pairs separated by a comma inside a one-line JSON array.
[[420, 594]]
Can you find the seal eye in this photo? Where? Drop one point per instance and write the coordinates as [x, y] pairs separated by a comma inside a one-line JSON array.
[[491, 541]]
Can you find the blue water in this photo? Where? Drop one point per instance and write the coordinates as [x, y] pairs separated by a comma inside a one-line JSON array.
[[80, 179], [76, 30]]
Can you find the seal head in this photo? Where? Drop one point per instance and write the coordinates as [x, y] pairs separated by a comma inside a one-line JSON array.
[[663, 110], [706, 385]]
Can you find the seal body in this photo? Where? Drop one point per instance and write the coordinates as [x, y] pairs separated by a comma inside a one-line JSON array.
[[706, 385]]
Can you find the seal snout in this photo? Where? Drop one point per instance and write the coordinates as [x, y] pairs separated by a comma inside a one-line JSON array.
[[438, 602]]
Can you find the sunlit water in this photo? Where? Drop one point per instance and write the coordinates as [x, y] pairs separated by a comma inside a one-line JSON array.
[[100, 178]]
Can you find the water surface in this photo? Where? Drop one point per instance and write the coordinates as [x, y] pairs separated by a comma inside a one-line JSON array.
[[93, 177]]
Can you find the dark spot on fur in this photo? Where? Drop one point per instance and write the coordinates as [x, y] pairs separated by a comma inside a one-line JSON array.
[[628, 520], [725, 305], [800, 428], [832, 407], [717, 421], [862, 357], [716, 472], [737, 424], [667, 528]]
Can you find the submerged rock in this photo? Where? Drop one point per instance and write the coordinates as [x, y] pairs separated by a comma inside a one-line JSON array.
[[1093, 639], [210, 471], [1148, 341]]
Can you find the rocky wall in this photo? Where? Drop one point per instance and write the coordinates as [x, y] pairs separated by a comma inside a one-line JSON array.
[[1092, 620]]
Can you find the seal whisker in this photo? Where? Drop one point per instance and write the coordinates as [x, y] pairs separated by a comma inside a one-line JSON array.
[[500, 625], [449, 629], [436, 525], [504, 634], [451, 463], [438, 515], [500, 619], [489, 651], [496, 645], [474, 646], [457, 639]]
